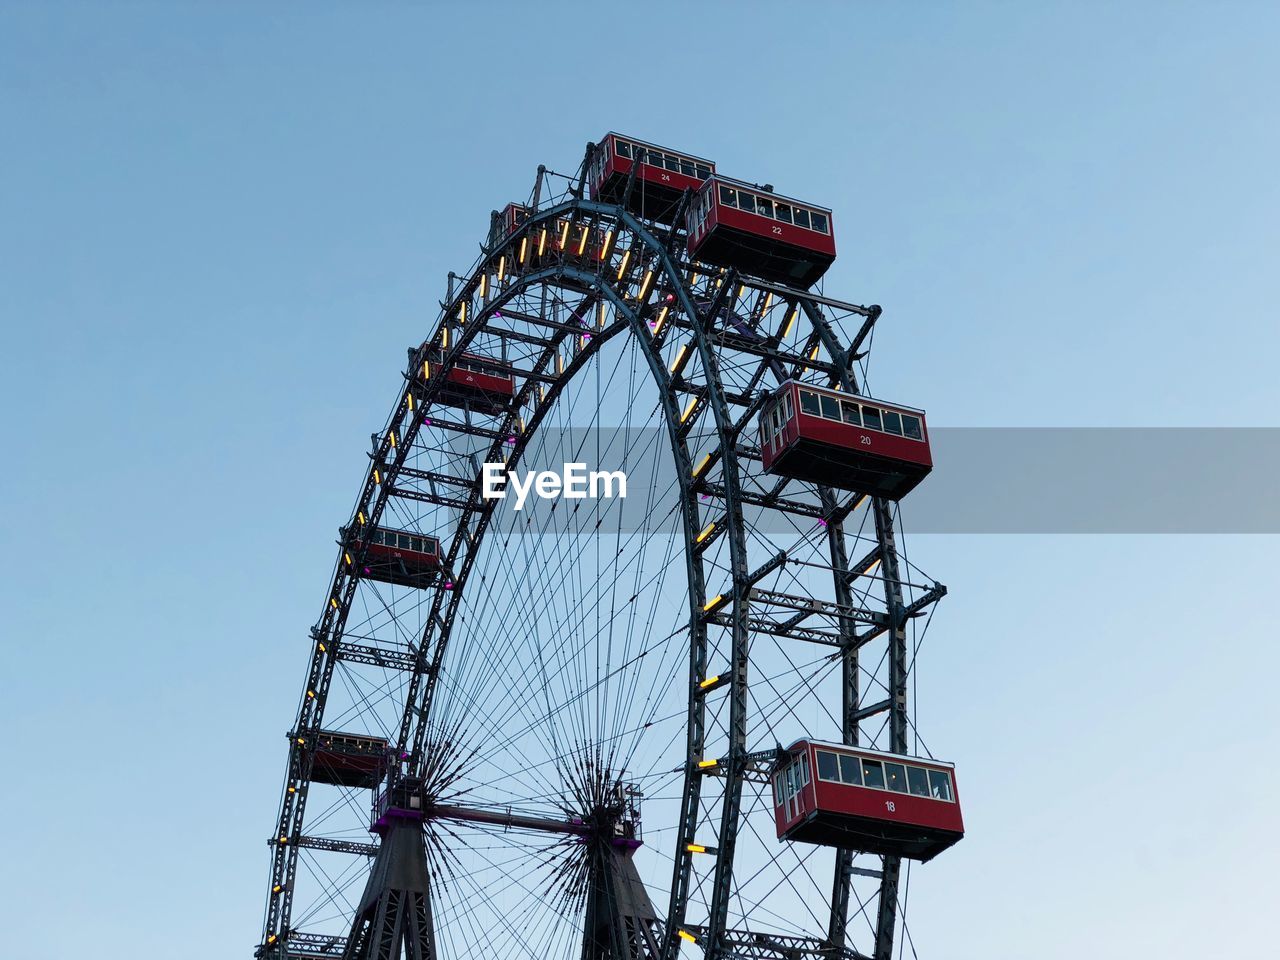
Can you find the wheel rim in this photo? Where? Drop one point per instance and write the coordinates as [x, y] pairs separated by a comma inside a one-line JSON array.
[[426, 702]]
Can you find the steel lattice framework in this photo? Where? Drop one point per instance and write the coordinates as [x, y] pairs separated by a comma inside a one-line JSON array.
[[791, 593]]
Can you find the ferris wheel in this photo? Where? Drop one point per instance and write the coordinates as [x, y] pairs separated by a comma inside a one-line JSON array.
[[626, 727]]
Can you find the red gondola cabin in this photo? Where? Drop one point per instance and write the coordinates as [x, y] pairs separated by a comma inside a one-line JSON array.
[[475, 382], [866, 800], [661, 178], [840, 440], [511, 219], [401, 557], [349, 759], [764, 234]]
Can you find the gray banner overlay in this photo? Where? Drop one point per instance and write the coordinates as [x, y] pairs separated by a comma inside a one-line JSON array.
[[985, 480], [1092, 480]]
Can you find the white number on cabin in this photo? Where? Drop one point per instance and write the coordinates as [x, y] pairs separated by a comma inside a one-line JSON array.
[[667, 177], [866, 441], [888, 805], [777, 230]]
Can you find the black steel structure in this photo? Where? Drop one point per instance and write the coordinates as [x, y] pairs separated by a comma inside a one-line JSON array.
[[543, 688]]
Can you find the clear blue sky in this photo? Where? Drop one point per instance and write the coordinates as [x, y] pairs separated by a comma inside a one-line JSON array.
[[221, 224]]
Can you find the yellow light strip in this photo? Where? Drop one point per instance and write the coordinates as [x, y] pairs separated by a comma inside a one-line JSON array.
[[662, 318], [705, 764], [710, 682], [462, 312], [786, 325], [706, 532], [713, 603], [644, 286], [622, 267], [542, 242], [608, 245], [484, 286], [524, 249], [686, 935], [502, 267], [693, 402], [582, 241], [678, 362], [695, 848], [564, 234], [702, 465]]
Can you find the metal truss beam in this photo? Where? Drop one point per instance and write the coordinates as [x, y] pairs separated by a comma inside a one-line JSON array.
[[377, 656], [405, 493], [768, 501], [773, 946], [330, 845]]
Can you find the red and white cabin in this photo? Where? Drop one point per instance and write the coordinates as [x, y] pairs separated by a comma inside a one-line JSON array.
[[473, 381], [401, 557], [866, 800], [349, 759], [841, 440], [764, 234], [662, 177], [511, 219]]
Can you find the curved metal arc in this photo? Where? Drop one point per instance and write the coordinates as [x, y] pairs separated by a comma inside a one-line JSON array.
[[484, 510], [671, 416], [733, 522], [580, 360], [373, 499]]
